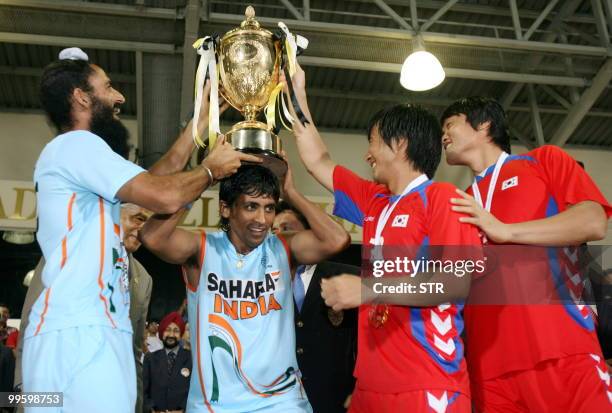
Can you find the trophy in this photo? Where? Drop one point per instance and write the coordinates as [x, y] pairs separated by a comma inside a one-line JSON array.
[[248, 60]]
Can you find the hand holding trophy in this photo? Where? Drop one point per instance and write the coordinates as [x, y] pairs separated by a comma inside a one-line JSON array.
[[249, 61]]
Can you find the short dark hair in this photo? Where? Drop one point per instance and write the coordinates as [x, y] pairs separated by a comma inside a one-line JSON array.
[[284, 206], [477, 110], [59, 79], [252, 180], [418, 127]]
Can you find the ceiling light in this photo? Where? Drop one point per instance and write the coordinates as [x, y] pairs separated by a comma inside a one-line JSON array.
[[421, 70]]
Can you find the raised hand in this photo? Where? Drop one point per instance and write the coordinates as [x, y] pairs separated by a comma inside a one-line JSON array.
[[224, 160]]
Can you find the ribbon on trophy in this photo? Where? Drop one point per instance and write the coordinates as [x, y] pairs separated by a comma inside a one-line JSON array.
[[277, 108], [205, 47]]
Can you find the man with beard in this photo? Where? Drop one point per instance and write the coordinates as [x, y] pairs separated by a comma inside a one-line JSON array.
[[167, 372], [79, 339]]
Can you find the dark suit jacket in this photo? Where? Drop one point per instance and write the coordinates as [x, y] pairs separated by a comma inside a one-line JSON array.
[[326, 353], [163, 391]]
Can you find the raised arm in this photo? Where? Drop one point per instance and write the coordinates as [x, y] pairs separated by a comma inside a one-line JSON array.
[[167, 194], [325, 237], [178, 155], [580, 223], [312, 149]]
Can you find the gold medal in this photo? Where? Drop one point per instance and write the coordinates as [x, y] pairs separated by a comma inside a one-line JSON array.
[[335, 317], [378, 315]]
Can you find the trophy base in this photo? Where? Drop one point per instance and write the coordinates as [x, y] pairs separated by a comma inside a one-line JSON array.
[[261, 143]]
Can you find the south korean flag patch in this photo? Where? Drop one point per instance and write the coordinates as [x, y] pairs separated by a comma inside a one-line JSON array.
[[400, 221], [509, 183]]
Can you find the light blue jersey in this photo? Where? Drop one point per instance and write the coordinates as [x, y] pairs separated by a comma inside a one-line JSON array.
[[243, 334], [77, 177]]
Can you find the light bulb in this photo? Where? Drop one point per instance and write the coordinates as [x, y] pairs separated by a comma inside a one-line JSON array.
[[421, 71]]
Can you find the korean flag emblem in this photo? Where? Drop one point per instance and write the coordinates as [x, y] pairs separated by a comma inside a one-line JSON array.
[[400, 221], [509, 183]]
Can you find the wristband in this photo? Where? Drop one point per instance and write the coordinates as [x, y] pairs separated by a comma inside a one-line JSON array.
[[210, 175]]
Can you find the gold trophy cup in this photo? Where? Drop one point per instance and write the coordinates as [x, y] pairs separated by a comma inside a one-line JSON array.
[[248, 65]]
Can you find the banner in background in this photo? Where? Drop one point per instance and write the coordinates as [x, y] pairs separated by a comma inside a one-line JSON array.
[[18, 210]]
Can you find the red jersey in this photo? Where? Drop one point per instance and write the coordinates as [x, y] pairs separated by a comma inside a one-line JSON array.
[[418, 347], [505, 338]]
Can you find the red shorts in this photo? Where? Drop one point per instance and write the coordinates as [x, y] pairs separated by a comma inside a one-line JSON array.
[[573, 384], [420, 401]]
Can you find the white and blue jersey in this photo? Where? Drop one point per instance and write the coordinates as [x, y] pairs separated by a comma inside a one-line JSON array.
[[242, 318], [77, 177]]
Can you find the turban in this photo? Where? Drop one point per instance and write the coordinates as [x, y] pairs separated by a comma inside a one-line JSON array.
[[173, 317]]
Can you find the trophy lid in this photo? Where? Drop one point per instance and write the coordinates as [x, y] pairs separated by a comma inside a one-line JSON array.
[[249, 23]]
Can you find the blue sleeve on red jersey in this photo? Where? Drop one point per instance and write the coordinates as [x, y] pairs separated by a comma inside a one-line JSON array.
[[352, 195]]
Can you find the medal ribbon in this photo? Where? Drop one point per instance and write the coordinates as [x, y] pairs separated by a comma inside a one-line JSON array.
[[476, 191], [205, 47]]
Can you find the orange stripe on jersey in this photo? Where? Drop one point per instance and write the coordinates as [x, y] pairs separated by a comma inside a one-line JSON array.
[[42, 316], [70, 203], [202, 248], [64, 252], [69, 224], [200, 375], [117, 229], [100, 281]]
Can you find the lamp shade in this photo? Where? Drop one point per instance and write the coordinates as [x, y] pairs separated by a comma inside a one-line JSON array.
[[421, 71]]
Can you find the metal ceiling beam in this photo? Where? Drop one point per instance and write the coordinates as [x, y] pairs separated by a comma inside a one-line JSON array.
[[37, 72], [481, 9], [540, 19], [94, 8], [396, 17], [413, 15], [103, 44], [438, 14], [292, 9], [567, 9], [306, 9], [450, 71], [139, 104], [569, 67], [434, 101], [428, 37], [581, 108], [600, 22], [555, 95], [522, 138], [192, 25], [535, 116], [516, 20]]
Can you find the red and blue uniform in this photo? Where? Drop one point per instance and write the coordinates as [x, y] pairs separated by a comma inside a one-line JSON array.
[[518, 353], [416, 357]]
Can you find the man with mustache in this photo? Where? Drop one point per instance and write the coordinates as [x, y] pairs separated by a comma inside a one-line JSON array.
[[167, 371], [79, 337]]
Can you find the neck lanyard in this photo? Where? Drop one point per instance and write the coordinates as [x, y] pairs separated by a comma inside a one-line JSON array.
[[492, 183], [386, 213]]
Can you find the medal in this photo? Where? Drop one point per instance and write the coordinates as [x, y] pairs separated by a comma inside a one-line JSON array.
[[335, 317], [185, 372], [378, 315]]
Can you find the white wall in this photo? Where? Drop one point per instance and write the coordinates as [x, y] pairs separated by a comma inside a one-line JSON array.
[[22, 137]]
